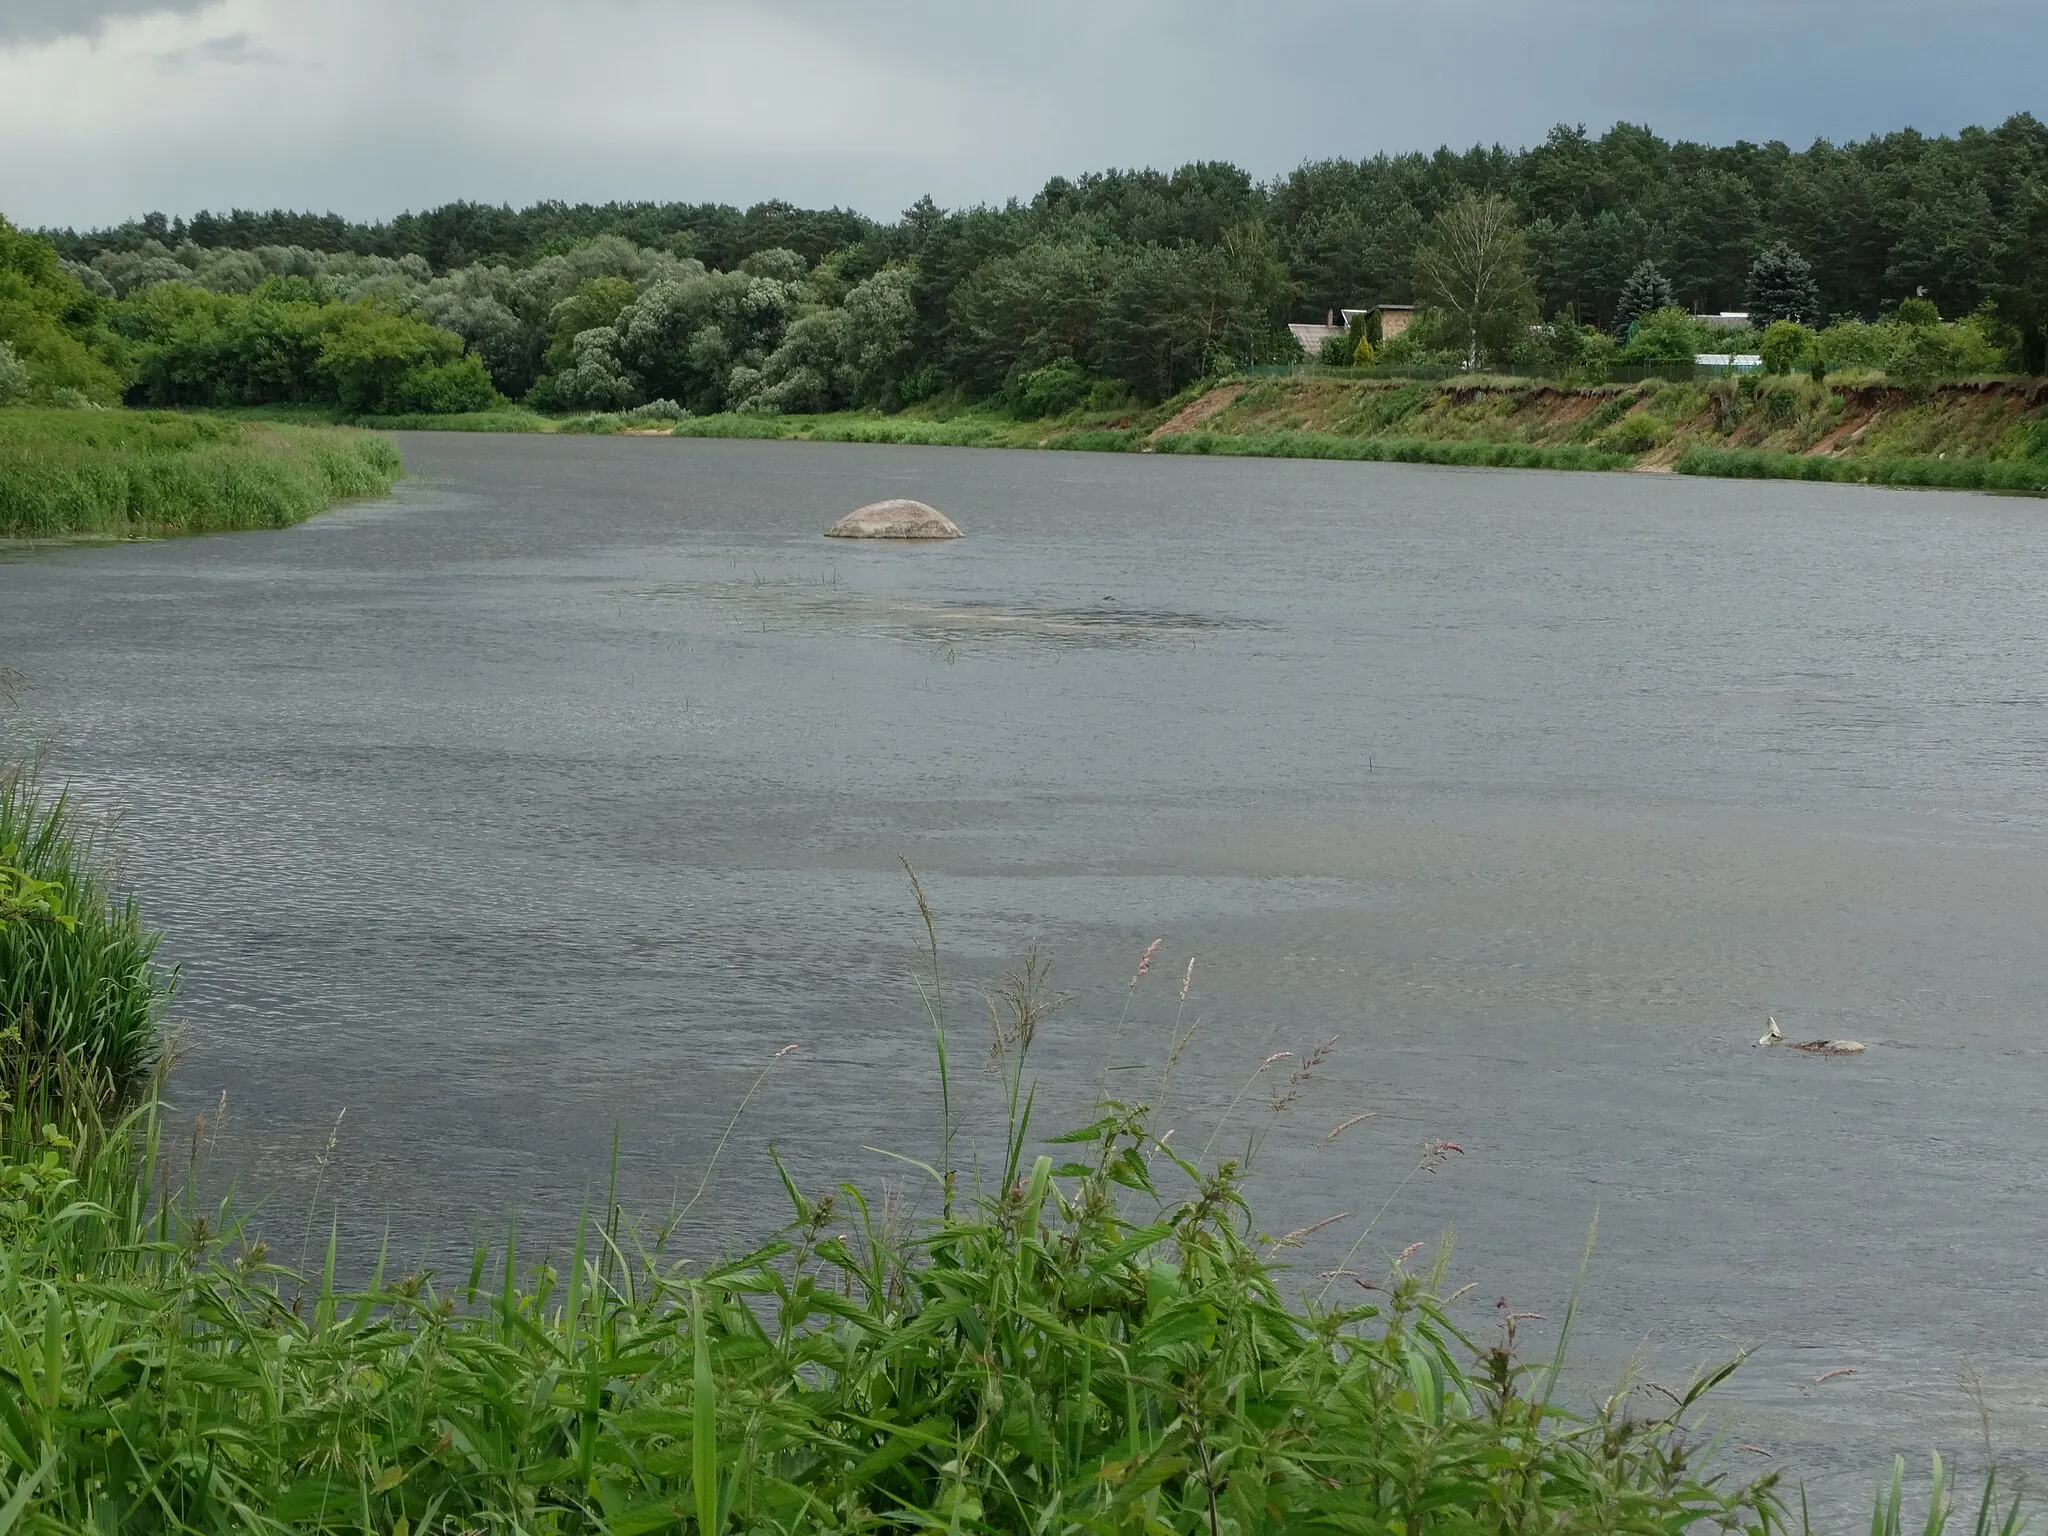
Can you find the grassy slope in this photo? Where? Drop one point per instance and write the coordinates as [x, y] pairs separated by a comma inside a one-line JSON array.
[[973, 428], [122, 474], [1783, 426], [1990, 435]]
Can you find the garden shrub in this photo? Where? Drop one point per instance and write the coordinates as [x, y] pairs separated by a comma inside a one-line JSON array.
[[1634, 434], [1784, 346], [285, 342], [1057, 388]]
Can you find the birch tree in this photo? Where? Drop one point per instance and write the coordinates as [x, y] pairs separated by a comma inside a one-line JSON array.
[[1474, 269]]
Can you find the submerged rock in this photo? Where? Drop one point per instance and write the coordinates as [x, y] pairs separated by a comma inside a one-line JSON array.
[[896, 519]]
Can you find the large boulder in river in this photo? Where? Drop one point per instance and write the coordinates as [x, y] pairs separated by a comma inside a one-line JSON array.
[[897, 519]]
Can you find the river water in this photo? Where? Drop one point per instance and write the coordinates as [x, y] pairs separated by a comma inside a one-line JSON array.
[[551, 798]]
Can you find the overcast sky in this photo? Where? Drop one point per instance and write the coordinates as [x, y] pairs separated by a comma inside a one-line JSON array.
[[111, 108]]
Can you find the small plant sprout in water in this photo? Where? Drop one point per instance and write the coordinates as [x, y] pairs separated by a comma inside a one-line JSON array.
[[1772, 1035]]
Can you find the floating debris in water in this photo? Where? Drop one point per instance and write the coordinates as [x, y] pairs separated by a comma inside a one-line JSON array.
[[1775, 1036]]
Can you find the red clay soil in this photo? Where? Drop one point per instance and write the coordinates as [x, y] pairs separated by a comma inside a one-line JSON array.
[[1195, 412], [1836, 442]]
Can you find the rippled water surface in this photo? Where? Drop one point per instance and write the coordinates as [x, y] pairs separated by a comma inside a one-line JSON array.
[[556, 794]]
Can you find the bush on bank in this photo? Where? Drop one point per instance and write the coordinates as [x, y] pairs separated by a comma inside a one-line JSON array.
[[288, 342]]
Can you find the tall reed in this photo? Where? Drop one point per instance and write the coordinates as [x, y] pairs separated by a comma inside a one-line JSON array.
[[121, 474], [82, 999]]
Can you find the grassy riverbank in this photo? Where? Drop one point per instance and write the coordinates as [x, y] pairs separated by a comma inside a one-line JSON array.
[[1990, 435], [1095, 1339], [127, 474], [1979, 436], [1766, 427]]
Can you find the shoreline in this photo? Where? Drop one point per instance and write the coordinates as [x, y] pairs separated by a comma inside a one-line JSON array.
[[1987, 436]]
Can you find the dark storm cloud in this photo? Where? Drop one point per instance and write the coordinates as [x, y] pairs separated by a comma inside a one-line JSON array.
[[38, 21], [371, 106]]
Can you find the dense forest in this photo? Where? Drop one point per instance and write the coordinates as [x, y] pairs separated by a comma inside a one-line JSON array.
[[1136, 282]]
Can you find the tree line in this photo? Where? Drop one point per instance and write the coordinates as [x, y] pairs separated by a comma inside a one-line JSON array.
[[1131, 282]]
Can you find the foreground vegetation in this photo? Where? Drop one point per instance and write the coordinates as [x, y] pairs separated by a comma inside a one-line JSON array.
[[124, 474], [1096, 1339]]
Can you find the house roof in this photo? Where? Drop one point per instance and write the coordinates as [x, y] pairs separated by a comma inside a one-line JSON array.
[[1312, 337]]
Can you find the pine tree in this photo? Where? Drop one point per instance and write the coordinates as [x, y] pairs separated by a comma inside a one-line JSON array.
[[1646, 291], [1781, 287]]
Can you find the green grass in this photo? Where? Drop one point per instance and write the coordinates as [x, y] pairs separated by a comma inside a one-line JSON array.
[[730, 425], [1089, 1335], [1966, 437], [81, 996], [1099, 1340], [943, 424], [1099, 440], [509, 420], [979, 430], [1077, 1350], [506, 418], [1402, 450], [1970, 474], [121, 474]]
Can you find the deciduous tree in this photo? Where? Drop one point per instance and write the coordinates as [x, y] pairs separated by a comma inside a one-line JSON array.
[[1475, 270]]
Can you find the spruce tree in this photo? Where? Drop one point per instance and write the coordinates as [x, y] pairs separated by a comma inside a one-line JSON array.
[[1781, 287], [1646, 291]]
